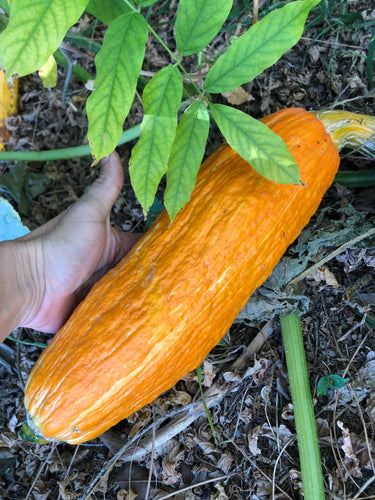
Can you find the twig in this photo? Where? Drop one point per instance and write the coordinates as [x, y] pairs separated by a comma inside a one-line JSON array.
[[191, 486], [151, 465], [68, 76], [42, 465], [333, 254], [255, 11]]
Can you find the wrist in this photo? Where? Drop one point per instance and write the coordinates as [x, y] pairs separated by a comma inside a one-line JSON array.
[[18, 278]]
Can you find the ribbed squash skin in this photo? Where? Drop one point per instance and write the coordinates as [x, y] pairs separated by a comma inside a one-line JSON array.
[[156, 315]]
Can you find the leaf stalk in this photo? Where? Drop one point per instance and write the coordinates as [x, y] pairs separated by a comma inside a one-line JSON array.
[[307, 436]]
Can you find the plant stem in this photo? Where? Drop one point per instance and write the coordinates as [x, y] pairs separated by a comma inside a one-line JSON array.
[[178, 62], [353, 179], [307, 436], [65, 153], [24, 342]]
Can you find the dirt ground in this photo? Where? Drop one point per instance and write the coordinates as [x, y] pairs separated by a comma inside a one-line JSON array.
[[169, 448]]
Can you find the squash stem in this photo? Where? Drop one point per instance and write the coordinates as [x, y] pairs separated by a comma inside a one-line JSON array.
[[350, 130], [307, 436]]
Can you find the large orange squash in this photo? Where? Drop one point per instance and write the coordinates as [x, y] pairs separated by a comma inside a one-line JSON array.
[[155, 316]]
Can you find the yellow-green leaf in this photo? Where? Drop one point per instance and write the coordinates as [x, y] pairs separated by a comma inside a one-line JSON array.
[[48, 73], [35, 31], [266, 152], [148, 162], [186, 157], [118, 65]]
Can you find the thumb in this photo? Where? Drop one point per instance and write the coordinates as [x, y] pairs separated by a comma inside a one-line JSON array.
[[105, 190]]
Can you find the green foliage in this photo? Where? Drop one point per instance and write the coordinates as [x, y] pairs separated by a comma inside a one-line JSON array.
[[257, 144], [23, 186], [260, 47], [148, 162], [198, 22], [4, 5], [35, 32], [186, 156], [330, 382], [118, 65], [107, 10]]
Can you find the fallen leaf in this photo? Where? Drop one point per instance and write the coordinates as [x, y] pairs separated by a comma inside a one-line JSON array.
[[237, 96]]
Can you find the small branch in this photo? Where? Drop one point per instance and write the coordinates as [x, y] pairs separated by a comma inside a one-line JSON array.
[[333, 254]]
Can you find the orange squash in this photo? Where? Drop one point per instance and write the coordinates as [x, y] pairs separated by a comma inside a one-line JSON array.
[[155, 316]]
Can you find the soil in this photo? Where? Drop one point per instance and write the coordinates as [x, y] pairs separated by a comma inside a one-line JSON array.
[[252, 452]]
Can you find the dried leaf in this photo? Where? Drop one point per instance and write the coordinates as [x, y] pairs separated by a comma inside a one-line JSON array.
[[325, 275], [252, 438], [126, 495], [220, 493], [351, 461], [225, 461], [237, 96], [170, 474], [65, 486], [208, 374]]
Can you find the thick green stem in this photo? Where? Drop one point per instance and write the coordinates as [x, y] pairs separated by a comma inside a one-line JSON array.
[[65, 153], [353, 179], [307, 436]]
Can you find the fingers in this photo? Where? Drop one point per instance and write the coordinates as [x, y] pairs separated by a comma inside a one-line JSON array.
[[107, 187], [127, 241]]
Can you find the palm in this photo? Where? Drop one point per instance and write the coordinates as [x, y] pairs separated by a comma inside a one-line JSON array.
[[77, 248]]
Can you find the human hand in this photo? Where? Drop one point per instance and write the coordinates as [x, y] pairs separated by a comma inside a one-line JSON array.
[[72, 251]]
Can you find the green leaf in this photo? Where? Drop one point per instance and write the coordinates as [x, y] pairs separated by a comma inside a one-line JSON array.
[[186, 157], [197, 22], [35, 31], [107, 10], [323, 386], [4, 5], [3, 22], [148, 162], [23, 186], [338, 382], [14, 182], [266, 152], [260, 47], [330, 382], [118, 65]]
